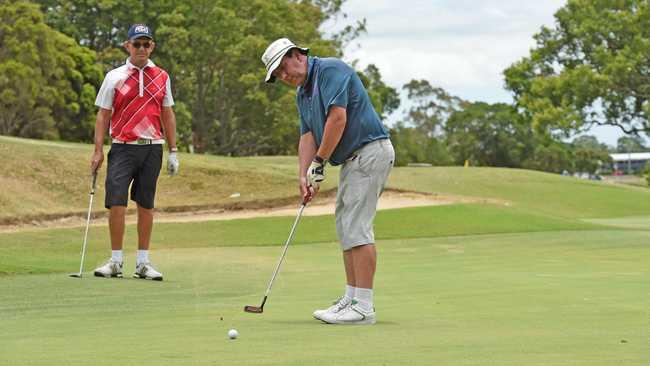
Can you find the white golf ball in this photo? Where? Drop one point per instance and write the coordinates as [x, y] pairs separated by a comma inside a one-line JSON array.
[[233, 333]]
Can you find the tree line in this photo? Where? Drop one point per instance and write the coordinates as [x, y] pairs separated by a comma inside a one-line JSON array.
[[591, 68]]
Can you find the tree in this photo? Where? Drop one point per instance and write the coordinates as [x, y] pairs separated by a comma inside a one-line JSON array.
[[589, 154], [431, 106], [631, 143], [488, 135], [102, 25], [46, 79], [588, 142], [384, 98], [590, 160], [550, 156], [212, 50], [233, 112], [411, 146], [592, 68]]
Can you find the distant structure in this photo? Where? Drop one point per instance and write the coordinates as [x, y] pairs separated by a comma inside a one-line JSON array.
[[629, 163]]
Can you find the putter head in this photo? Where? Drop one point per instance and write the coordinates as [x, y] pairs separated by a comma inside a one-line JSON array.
[[253, 309], [75, 275]]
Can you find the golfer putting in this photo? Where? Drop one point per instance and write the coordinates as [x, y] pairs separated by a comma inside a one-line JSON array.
[[339, 125], [135, 101]]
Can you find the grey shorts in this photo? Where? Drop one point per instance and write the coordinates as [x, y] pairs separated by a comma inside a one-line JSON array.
[[362, 181]]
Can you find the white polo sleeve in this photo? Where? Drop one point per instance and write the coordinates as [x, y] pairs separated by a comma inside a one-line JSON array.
[[168, 99], [106, 93]]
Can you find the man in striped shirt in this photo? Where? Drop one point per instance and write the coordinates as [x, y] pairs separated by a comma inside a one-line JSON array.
[[135, 104]]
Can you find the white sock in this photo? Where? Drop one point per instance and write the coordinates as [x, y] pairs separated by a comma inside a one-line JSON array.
[[364, 298], [116, 256], [143, 257], [349, 293]]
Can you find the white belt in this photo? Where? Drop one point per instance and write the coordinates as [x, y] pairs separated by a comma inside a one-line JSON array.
[[140, 142]]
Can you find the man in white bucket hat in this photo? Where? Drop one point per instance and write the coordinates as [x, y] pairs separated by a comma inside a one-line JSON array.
[[339, 125]]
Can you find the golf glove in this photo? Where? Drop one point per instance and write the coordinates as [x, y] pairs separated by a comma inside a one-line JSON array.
[[316, 172], [172, 164]]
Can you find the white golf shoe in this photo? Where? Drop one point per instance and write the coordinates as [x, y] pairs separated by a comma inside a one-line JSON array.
[[109, 269], [352, 314], [146, 271], [336, 307]]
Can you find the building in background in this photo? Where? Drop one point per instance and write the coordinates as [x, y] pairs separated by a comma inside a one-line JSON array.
[[629, 163]]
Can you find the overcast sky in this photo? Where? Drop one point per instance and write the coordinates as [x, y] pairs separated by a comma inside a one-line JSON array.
[[461, 45]]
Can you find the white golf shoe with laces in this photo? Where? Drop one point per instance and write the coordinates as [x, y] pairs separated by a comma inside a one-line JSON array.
[[352, 314], [109, 269], [336, 307], [146, 271]]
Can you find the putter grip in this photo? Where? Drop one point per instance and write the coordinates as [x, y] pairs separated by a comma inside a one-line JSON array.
[[92, 191], [307, 198]]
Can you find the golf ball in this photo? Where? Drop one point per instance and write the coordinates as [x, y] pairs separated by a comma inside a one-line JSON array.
[[233, 333]]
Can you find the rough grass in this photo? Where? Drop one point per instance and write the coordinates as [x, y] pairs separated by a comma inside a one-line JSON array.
[[46, 178]]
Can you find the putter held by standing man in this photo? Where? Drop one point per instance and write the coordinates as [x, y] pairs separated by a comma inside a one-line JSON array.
[[135, 101], [339, 125]]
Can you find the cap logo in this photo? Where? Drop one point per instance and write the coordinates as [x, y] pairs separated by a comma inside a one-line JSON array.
[[141, 29]]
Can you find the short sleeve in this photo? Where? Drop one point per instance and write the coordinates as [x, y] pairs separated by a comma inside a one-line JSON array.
[[304, 126], [334, 84], [106, 93], [168, 99]]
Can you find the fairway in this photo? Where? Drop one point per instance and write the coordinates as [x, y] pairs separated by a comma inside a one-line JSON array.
[[574, 295]]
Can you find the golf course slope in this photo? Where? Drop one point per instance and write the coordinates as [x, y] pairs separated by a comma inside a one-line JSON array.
[[525, 268]]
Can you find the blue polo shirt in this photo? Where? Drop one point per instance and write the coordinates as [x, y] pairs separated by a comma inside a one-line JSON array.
[[331, 82]]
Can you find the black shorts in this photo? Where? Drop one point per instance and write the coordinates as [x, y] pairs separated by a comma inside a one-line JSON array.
[[139, 164]]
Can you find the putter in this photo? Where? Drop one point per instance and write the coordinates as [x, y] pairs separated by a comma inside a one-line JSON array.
[[260, 309], [83, 247]]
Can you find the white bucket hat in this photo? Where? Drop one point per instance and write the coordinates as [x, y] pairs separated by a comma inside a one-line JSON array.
[[273, 55]]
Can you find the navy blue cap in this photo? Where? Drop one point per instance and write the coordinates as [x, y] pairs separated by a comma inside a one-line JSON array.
[[140, 30]]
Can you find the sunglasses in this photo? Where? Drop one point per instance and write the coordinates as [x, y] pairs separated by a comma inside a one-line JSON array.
[[137, 45]]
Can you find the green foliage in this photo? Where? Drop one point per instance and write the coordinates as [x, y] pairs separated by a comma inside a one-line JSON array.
[[412, 146], [233, 111], [589, 160], [431, 107], [212, 51], [46, 79], [630, 143], [551, 156], [646, 174], [488, 135], [384, 98], [592, 68], [419, 137], [102, 25], [589, 155]]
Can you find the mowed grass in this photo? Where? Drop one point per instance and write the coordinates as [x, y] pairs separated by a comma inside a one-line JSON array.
[[545, 298], [57, 250], [532, 191]]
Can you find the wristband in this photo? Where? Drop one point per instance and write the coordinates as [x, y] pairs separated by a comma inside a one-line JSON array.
[[319, 160]]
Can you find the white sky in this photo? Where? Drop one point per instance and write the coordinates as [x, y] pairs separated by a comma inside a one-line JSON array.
[[462, 46]]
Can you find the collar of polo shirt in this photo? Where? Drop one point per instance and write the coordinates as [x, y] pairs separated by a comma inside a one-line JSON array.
[[140, 74]]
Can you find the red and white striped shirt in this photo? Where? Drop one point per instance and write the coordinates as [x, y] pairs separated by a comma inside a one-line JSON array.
[[136, 97]]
